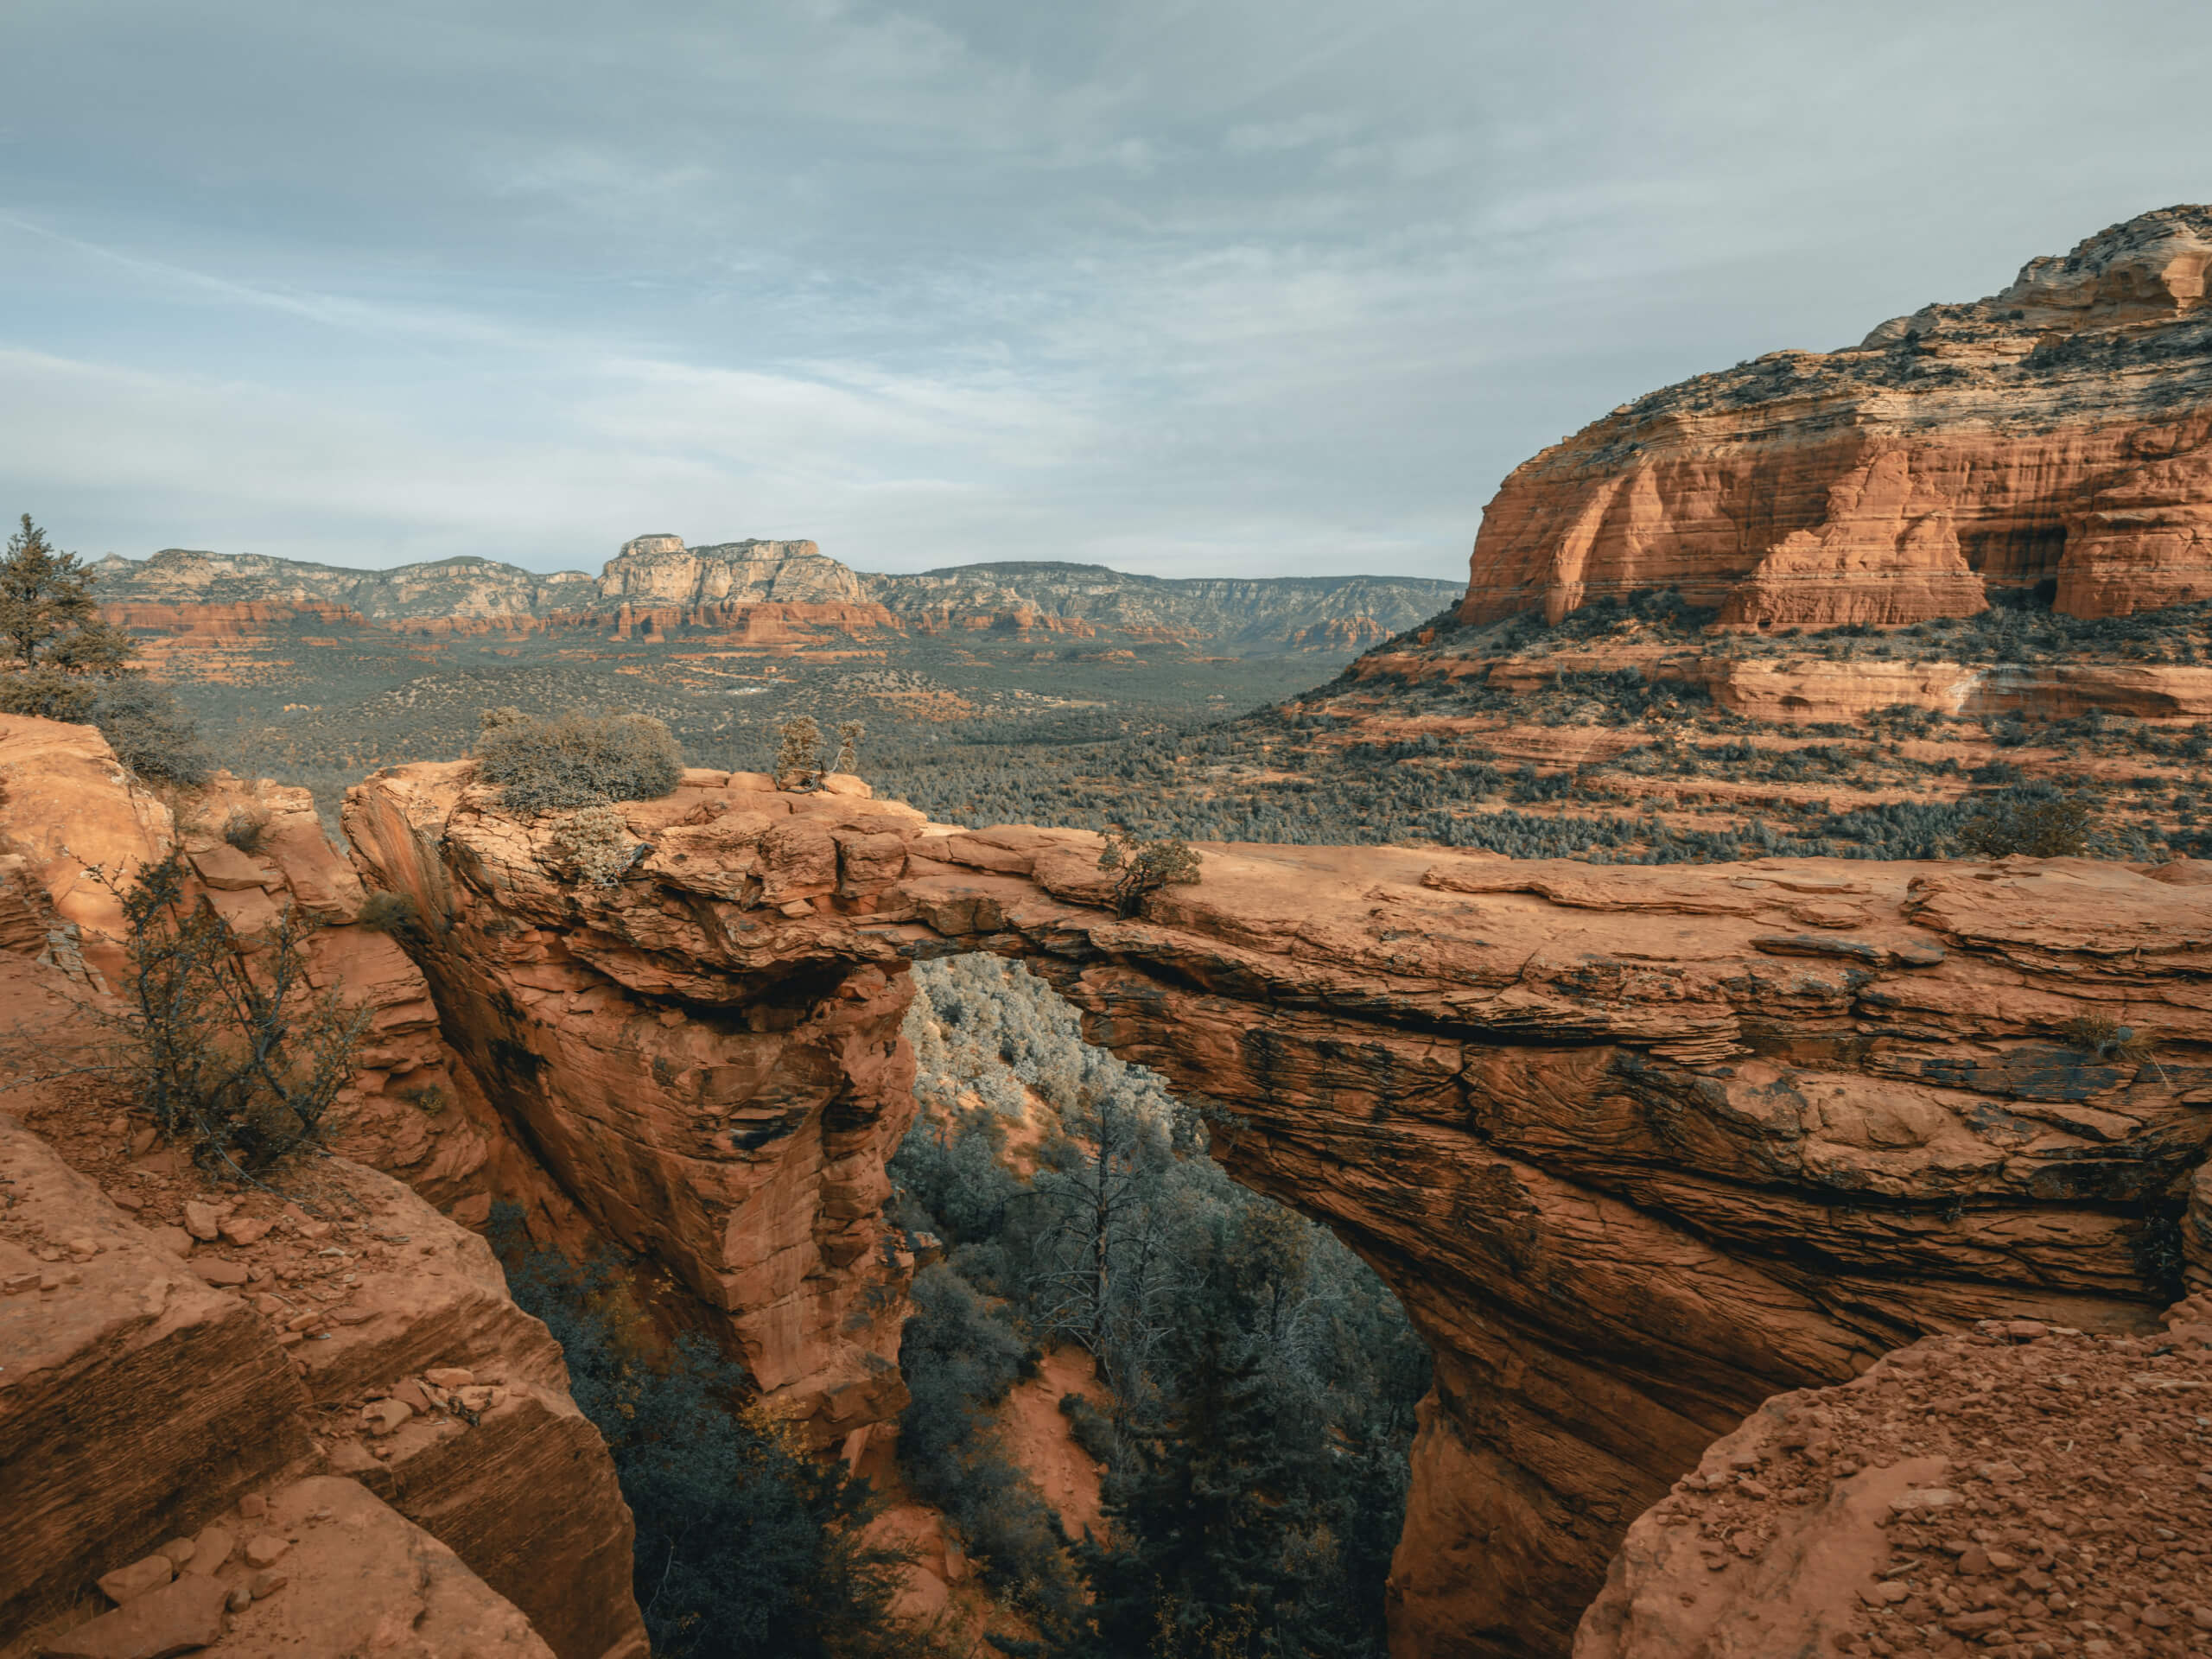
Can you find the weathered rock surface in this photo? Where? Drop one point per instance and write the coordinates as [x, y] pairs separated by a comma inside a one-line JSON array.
[[151, 1373], [1640, 1146], [66, 808], [2057, 430], [1637, 1146], [661, 570], [2019, 1485], [706, 1056], [134, 1400], [361, 1579]]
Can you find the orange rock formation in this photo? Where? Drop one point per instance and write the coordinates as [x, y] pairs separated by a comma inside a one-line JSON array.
[[2060, 431], [1636, 1147]]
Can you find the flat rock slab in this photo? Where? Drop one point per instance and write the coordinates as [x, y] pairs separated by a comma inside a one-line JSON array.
[[362, 1578], [178, 1617]]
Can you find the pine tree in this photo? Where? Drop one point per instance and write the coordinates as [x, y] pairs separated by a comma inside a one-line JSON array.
[[45, 594], [1198, 1511]]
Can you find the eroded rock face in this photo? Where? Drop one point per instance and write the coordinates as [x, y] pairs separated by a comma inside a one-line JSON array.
[[705, 1056], [661, 570], [2057, 430], [1638, 1147]]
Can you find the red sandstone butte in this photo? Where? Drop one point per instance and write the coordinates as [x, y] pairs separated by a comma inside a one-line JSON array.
[[2061, 429]]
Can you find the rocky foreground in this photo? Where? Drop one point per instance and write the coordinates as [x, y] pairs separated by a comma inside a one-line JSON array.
[[1639, 1148]]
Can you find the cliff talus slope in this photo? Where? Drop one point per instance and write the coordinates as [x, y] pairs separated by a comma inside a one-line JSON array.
[[2055, 431]]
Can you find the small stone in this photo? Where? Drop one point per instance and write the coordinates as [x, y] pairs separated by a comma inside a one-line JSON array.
[[253, 1506], [212, 1549], [174, 1619], [243, 1230], [2004, 1561], [409, 1393], [2156, 1616], [240, 1599], [450, 1376], [384, 1416], [302, 1321], [1745, 1544], [203, 1221], [83, 1249], [16, 1284], [126, 1200], [143, 1142], [1974, 1562], [214, 1270], [268, 1305], [268, 1583], [175, 1240], [2200, 1616], [179, 1551], [129, 1582], [265, 1550]]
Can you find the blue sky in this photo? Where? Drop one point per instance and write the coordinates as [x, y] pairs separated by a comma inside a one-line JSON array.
[[1219, 288]]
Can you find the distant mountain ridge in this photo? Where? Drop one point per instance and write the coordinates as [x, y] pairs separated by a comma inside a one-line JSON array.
[[659, 573]]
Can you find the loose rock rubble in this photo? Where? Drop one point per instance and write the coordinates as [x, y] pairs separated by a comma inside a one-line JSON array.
[[2026, 1490]]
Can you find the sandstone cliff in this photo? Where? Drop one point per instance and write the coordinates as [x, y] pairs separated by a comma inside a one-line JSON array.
[[1638, 1147], [705, 1057], [2056, 431], [661, 570], [166, 1345]]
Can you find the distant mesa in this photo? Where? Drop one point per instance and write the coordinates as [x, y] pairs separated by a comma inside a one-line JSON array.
[[2058, 432], [656, 585]]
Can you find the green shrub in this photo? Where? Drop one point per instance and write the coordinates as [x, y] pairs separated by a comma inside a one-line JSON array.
[[747, 1548], [799, 755], [960, 1357], [597, 842], [233, 1050], [572, 759], [152, 733], [245, 828], [2048, 829], [1146, 867], [1090, 1427], [390, 913]]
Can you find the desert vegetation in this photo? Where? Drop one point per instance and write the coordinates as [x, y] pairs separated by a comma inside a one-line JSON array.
[[746, 1546], [64, 664], [1259, 1380], [560, 761]]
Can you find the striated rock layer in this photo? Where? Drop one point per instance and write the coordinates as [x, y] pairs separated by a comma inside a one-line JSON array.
[[2060, 430], [705, 1057], [1636, 1147]]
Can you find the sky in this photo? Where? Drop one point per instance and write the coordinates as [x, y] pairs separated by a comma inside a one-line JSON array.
[[1184, 287]]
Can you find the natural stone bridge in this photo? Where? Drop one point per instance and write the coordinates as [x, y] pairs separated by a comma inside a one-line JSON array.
[[1635, 1147]]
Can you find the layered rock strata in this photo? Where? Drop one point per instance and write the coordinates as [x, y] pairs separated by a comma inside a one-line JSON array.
[[171, 1350], [760, 592], [2058, 430], [1638, 1147], [705, 1056]]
